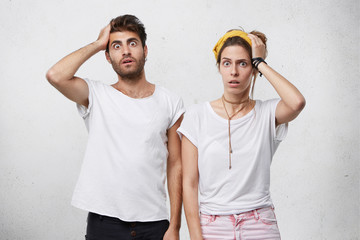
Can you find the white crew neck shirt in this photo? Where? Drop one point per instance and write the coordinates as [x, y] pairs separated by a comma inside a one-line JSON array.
[[254, 140], [124, 168]]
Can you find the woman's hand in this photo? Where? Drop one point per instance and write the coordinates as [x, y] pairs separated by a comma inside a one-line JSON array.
[[257, 46]]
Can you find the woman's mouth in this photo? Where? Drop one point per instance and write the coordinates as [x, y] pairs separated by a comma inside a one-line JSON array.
[[234, 83]]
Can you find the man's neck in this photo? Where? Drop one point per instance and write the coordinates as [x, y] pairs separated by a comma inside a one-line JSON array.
[[135, 88]]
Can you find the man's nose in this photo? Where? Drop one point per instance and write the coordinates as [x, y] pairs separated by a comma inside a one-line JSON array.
[[126, 50]]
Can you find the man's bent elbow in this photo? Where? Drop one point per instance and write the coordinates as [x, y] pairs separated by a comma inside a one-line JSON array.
[[51, 77], [55, 77]]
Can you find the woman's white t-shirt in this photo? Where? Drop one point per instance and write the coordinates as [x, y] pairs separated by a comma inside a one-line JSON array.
[[254, 139]]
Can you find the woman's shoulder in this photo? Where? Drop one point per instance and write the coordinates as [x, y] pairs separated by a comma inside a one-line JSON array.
[[267, 103], [198, 106], [196, 109]]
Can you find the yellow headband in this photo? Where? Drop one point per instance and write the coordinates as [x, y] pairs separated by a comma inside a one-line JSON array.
[[233, 33]]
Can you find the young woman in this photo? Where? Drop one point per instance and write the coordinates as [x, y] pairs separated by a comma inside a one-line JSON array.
[[228, 145]]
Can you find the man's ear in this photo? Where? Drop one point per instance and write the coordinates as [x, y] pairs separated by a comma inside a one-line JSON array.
[[107, 55], [145, 51]]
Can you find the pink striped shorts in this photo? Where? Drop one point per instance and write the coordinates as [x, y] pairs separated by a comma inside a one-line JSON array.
[[252, 225]]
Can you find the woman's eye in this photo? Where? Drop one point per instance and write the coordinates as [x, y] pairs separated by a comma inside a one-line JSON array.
[[243, 64], [226, 64], [116, 46], [133, 44]]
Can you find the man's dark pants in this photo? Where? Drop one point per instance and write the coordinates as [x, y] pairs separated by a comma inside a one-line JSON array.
[[108, 228]]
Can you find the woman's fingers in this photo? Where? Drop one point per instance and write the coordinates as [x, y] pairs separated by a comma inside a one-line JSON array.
[[258, 47]]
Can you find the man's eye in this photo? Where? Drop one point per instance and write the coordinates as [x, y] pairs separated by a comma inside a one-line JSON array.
[[116, 46], [133, 44]]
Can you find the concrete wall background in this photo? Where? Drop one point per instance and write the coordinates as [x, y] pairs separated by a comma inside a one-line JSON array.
[[315, 44]]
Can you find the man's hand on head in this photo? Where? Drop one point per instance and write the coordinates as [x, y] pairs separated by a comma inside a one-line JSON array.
[[104, 37]]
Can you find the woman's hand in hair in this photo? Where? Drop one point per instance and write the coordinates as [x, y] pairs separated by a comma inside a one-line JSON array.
[[258, 47]]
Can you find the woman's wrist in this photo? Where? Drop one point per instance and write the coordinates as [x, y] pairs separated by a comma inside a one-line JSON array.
[[256, 62]]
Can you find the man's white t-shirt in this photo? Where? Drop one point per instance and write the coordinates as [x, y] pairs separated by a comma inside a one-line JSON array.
[[124, 168], [254, 140]]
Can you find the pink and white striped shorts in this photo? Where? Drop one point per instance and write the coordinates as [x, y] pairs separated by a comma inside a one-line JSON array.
[[253, 225]]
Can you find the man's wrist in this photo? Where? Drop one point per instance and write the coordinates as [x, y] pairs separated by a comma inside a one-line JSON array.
[[175, 226], [98, 45]]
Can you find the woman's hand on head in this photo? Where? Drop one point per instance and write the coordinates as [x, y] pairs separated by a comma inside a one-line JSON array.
[[258, 47]]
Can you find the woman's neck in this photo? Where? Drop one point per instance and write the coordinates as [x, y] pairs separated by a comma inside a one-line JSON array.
[[235, 101], [235, 98]]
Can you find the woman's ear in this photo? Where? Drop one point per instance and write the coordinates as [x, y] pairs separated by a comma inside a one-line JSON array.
[[254, 72]]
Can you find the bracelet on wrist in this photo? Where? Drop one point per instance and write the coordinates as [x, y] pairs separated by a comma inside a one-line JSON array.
[[256, 62]]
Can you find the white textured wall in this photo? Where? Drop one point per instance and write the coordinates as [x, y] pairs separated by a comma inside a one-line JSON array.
[[315, 173]]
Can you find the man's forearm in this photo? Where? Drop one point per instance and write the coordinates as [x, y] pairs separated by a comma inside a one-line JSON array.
[[66, 68], [175, 192]]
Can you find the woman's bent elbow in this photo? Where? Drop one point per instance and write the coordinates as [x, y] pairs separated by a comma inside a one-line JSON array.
[[300, 104]]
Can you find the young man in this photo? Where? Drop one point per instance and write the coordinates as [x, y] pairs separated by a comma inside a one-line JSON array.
[[133, 144]]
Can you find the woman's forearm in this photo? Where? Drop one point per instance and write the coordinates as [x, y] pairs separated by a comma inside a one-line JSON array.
[[190, 199], [288, 93]]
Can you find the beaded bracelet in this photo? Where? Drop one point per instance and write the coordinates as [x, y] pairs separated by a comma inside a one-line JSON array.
[[256, 62]]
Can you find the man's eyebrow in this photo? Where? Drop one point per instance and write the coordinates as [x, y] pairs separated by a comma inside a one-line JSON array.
[[128, 40], [116, 41], [132, 39]]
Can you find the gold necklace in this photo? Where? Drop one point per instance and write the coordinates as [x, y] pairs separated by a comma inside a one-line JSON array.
[[223, 99]]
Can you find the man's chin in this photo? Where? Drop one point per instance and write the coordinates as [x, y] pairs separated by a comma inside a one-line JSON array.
[[130, 76]]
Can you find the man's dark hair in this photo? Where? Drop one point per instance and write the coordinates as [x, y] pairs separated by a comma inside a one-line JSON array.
[[128, 23]]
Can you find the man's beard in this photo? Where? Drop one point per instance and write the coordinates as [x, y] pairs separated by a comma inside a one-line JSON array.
[[129, 75]]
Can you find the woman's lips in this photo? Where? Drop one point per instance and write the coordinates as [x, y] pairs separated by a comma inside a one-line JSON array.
[[234, 83]]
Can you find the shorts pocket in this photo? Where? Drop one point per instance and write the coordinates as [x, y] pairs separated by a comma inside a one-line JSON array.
[[206, 219], [267, 216]]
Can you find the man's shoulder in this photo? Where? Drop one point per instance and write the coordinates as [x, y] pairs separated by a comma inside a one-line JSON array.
[[98, 87], [95, 82], [162, 91]]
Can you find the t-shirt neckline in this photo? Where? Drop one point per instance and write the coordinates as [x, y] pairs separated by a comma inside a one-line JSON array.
[[136, 99], [238, 120]]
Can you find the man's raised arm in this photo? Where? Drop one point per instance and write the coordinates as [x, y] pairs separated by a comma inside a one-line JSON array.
[[61, 75]]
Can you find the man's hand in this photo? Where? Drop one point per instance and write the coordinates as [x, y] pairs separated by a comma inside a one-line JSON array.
[[104, 37], [62, 74], [171, 234]]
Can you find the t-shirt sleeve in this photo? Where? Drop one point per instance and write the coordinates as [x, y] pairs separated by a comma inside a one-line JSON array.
[[190, 126], [84, 111], [177, 110], [279, 132]]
